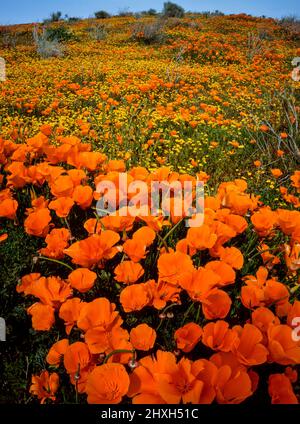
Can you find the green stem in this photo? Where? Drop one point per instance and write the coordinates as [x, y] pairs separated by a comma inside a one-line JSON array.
[[187, 312], [171, 231], [163, 242], [116, 352], [56, 261], [67, 224], [264, 251], [163, 312]]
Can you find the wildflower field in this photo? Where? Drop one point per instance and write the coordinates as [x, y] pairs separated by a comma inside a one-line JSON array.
[[143, 309]]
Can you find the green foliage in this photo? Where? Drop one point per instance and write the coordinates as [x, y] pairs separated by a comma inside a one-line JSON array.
[[54, 17], [102, 14], [59, 33], [150, 12], [173, 10]]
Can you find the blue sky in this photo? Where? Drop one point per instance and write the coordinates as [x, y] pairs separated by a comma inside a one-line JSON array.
[[22, 11]]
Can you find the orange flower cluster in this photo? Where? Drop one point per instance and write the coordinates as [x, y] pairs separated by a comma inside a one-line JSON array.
[[243, 320]]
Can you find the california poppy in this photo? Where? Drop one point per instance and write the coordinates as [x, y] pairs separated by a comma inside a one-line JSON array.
[[218, 336], [281, 390], [82, 279], [44, 386], [128, 272], [94, 249], [188, 336], [42, 316], [77, 357], [142, 337], [70, 312], [57, 352], [107, 384], [37, 222], [249, 350]]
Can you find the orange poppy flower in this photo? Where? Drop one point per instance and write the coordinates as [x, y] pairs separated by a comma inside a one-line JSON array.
[[51, 291], [106, 340], [278, 293], [3, 237], [116, 166], [134, 297], [155, 222], [128, 272], [142, 337], [236, 223], [288, 220], [77, 176], [218, 336], [291, 374], [107, 384], [62, 206], [276, 172], [82, 279], [24, 286], [225, 272], [199, 282], [91, 160], [145, 234], [98, 313], [77, 357], [83, 196], [117, 223], [264, 221], [94, 249], [57, 241], [224, 233], [42, 316], [46, 129], [8, 208], [268, 258], [188, 336], [264, 128], [180, 384], [232, 388], [174, 267], [216, 304], [294, 311], [295, 178], [37, 222], [281, 390], [144, 379], [292, 256], [233, 257], [183, 247], [201, 238], [62, 186], [263, 318], [57, 352], [70, 312], [283, 349], [93, 226], [135, 249], [159, 293], [44, 386], [248, 349]]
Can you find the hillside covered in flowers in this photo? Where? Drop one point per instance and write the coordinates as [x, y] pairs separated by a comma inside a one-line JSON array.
[[142, 309]]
